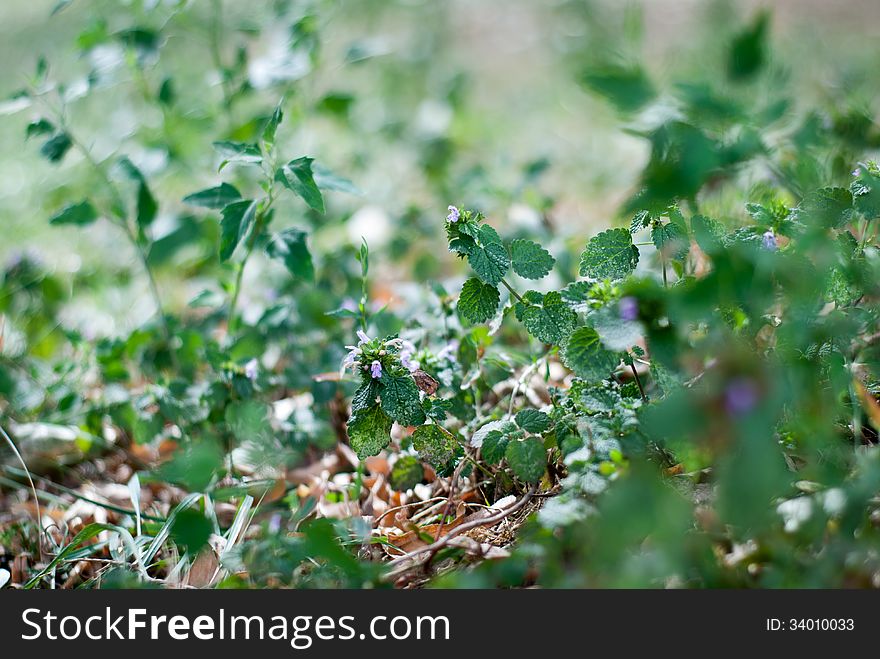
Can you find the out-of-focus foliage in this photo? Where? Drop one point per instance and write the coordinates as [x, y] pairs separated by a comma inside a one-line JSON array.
[[237, 305]]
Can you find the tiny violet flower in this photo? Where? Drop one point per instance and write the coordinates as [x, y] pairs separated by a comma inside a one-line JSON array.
[[362, 337], [740, 396], [351, 358], [376, 369], [448, 352], [251, 369], [453, 214], [628, 308], [275, 524], [768, 240], [407, 362]]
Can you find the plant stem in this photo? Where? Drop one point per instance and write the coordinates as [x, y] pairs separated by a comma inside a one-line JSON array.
[[512, 292], [118, 210], [231, 321], [638, 381], [217, 60]]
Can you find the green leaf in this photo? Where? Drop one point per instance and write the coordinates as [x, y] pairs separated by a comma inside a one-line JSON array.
[[533, 420], [272, 127], [289, 247], [399, 397], [366, 395], [707, 232], [238, 152], [434, 445], [488, 256], [406, 473], [369, 431], [611, 255], [223, 195], [866, 192], [237, 221], [436, 408], [747, 51], [38, 127], [248, 420], [191, 531], [297, 176], [627, 87], [79, 214], [146, 203], [527, 458], [494, 445], [585, 355], [327, 180], [56, 146], [828, 207], [671, 240], [478, 301], [546, 317], [616, 333], [578, 295], [530, 260]]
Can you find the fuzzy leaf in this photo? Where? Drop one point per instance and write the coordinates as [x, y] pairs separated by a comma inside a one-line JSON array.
[[830, 207], [298, 177], [79, 214], [707, 232], [530, 260], [56, 146], [478, 301], [218, 197], [238, 152], [399, 397], [671, 239], [237, 220], [866, 193], [488, 256], [585, 355], [406, 473], [366, 395], [546, 317], [611, 255], [369, 431], [533, 420], [615, 332], [527, 459], [146, 203], [494, 445], [434, 445], [289, 247]]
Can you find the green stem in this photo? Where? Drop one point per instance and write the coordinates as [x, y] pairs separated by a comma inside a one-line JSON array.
[[117, 210], [638, 381], [512, 292], [217, 60], [231, 320]]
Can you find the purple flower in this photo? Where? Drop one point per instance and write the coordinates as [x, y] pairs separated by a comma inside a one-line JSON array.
[[376, 369], [251, 369], [769, 240], [453, 214], [628, 307], [275, 523], [351, 358], [362, 337], [740, 396], [448, 352]]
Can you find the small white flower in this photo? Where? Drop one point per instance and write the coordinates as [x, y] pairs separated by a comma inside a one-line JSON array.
[[251, 369]]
